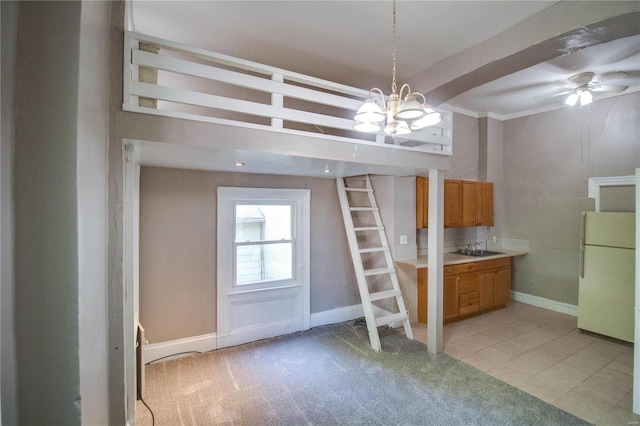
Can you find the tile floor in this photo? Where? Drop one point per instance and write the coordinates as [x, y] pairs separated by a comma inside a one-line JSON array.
[[544, 354]]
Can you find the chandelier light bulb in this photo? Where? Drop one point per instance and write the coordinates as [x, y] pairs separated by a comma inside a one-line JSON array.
[[365, 127]]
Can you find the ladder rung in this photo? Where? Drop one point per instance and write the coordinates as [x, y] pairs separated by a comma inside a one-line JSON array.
[[368, 228], [374, 249], [384, 295], [369, 272], [359, 189], [388, 319], [363, 209]]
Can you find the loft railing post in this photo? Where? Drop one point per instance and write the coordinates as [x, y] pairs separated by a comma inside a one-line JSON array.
[[277, 100], [131, 71]]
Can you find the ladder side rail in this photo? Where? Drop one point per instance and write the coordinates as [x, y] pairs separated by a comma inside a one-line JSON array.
[[387, 254], [358, 267]]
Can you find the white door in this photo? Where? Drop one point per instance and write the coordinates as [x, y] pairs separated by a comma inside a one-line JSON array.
[[263, 263]]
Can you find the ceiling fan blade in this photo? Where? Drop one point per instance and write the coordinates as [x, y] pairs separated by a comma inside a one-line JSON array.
[[610, 88], [553, 95], [612, 75]]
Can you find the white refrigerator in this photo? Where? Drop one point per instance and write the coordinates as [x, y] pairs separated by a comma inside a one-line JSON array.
[[606, 293]]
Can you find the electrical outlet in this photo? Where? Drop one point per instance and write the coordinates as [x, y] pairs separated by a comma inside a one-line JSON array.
[[403, 239], [495, 239]]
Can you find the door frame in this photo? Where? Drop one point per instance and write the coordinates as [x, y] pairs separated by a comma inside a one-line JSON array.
[[226, 334]]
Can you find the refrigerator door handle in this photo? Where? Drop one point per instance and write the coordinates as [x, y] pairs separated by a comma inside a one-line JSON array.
[[582, 234]]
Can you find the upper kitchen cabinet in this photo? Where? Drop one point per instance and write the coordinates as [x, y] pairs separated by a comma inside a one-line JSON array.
[[422, 202], [485, 203], [466, 203], [452, 206]]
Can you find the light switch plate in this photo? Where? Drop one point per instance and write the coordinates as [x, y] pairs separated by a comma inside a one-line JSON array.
[[403, 239]]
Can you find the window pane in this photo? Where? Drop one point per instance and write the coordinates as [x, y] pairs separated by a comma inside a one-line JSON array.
[[263, 262], [263, 222]]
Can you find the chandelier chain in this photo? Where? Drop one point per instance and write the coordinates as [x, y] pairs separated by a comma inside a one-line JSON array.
[[394, 87]]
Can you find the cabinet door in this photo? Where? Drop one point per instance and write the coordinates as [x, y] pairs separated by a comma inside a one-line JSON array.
[[422, 202], [423, 298], [452, 204], [450, 297], [502, 286], [485, 203], [469, 203], [486, 282]]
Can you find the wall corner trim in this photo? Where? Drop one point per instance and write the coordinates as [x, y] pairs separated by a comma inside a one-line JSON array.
[[541, 302]]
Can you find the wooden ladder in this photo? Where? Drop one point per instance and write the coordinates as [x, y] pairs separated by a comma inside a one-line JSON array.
[[368, 233]]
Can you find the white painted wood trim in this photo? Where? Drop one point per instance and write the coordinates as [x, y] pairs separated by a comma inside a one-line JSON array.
[[337, 315], [435, 340], [595, 183], [208, 342], [541, 302], [202, 343], [636, 351]]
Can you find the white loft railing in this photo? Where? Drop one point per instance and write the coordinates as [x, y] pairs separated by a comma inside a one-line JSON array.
[[174, 80]]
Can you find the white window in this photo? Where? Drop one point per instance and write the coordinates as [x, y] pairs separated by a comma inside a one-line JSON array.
[[263, 243]]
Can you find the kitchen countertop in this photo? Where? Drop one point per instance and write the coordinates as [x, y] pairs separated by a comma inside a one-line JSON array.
[[455, 259]]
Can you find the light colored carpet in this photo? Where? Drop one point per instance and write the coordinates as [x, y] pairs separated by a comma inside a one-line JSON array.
[[330, 376]]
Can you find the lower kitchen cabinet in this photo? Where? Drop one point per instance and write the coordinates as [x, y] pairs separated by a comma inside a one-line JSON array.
[[469, 289], [450, 301]]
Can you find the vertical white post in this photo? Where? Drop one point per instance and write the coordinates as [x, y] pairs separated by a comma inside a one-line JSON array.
[[131, 215], [636, 350], [277, 100], [435, 341]]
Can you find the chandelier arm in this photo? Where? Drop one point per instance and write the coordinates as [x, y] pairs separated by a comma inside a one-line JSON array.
[[424, 100], [404, 86], [382, 100]]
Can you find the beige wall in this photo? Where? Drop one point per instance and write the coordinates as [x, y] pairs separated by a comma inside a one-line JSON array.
[[178, 248], [548, 158]]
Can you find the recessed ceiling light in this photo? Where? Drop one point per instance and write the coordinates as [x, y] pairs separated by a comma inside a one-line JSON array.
[[239, 164], [327, 170]]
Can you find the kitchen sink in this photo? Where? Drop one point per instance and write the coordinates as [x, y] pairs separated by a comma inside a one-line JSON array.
[[477, 253]]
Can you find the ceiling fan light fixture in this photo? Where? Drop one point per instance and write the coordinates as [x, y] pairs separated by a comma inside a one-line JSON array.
[[586, 97], [572, 99]]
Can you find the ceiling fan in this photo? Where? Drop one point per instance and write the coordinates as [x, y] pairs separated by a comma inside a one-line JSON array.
[[582, 85]]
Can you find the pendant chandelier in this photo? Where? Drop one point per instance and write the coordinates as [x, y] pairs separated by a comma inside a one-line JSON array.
[[402, 116]]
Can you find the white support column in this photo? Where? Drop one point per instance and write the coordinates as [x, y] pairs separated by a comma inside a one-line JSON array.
[[435, 341], [277, 100], [636, 351]]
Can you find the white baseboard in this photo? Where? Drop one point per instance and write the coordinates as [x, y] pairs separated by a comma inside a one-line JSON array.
[[334, 316], [541, 302], [202, 343], [208, 342]]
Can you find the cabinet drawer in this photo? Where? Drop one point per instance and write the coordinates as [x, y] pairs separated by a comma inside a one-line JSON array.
[[494, 264], [450, 270], [468, 303], [467, 267], [468, 283]]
